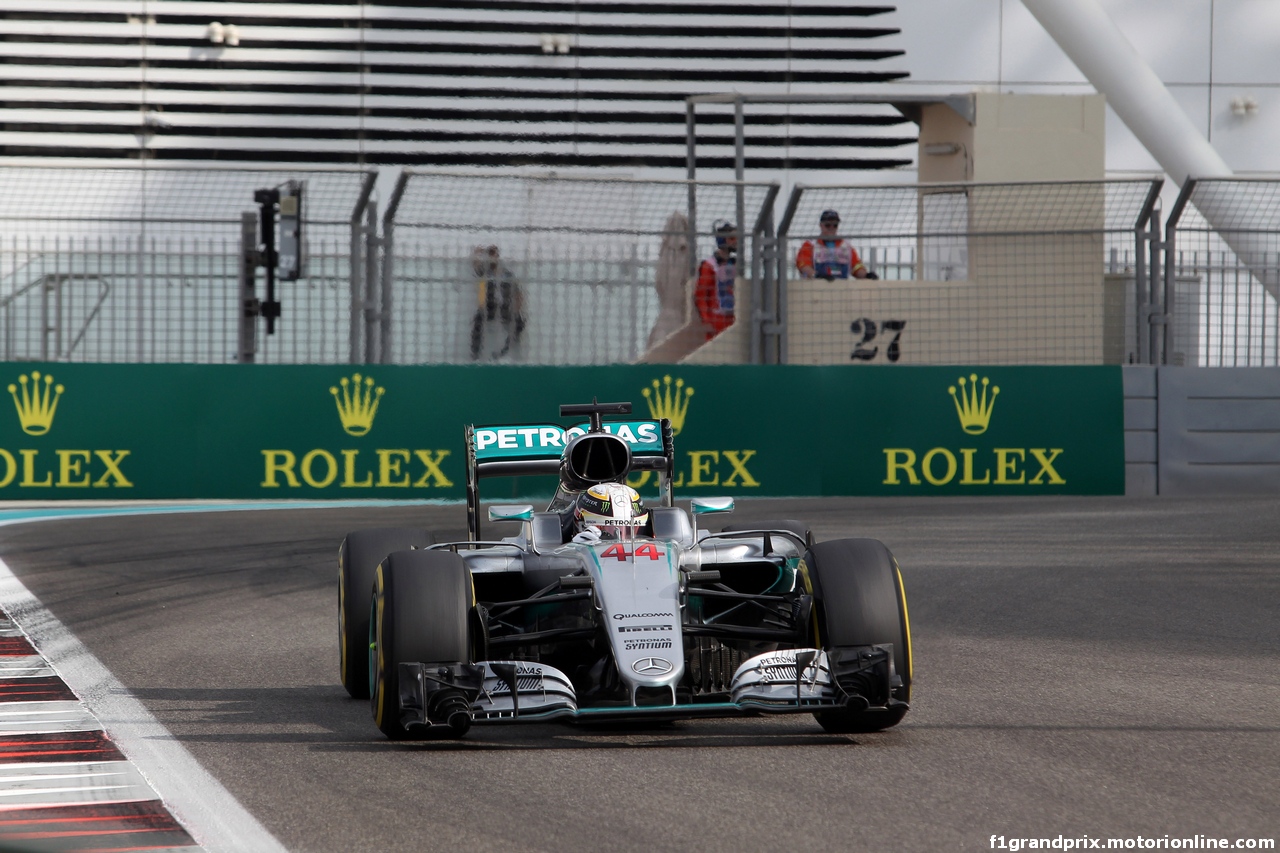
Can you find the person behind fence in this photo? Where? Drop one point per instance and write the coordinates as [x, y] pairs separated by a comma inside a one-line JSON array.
[[829, 257], [713, 296], [500, 302]]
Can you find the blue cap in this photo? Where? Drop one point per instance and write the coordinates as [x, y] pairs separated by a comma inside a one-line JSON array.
[[828, 215]]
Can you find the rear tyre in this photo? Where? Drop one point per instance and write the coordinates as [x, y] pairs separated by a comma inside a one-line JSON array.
[[359, 556], [418, 614], [861, 602], [799, 528]]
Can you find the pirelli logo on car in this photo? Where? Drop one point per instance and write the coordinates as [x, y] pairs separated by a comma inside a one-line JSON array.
[[974, 401]]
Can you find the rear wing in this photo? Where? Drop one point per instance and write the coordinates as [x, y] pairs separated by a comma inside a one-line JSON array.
[[518, 450]]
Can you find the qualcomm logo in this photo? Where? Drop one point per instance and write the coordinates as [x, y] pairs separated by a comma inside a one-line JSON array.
[[36, 409], [664, 402], [357, 406], [974, 409]]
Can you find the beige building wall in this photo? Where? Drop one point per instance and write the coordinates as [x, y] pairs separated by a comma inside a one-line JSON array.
[[1032, 289], [1015, 138]]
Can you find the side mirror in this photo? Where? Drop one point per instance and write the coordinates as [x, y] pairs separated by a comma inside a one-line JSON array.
[[705, 505], [511, 512]]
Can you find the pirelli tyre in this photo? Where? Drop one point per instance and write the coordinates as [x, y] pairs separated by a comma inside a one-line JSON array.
[[359, 556], [799, 528], [860, 602], [419, 613]]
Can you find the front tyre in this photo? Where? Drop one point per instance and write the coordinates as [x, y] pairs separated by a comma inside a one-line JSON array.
[[861, 602], [359, 556], [418, 614]]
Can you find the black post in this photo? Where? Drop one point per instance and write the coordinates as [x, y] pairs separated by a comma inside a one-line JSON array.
[[268, 200]]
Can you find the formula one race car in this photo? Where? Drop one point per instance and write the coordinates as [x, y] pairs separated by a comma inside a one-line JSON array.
[[604, 609]]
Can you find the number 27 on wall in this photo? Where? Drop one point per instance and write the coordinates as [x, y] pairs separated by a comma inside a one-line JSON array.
[[865, 330]]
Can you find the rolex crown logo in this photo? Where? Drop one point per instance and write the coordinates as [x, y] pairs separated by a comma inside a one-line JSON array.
[[357, 403], [974, 408], [36, 408], [667, 402]]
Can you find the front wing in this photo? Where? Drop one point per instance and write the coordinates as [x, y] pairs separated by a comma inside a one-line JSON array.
[[780, 682]]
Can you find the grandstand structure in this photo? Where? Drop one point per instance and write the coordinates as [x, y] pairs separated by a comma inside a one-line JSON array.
[[468, 83]]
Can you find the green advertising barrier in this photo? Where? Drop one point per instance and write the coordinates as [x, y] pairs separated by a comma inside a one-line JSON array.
[[82, 431]]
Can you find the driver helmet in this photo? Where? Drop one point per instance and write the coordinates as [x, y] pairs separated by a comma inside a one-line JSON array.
[[613, 508]]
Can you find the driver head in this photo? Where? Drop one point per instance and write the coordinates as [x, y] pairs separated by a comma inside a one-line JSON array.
[[614, 508]]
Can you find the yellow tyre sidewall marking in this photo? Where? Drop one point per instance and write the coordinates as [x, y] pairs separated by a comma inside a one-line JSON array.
[[906, 620]]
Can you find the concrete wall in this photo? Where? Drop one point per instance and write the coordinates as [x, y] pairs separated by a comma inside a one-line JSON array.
[[1202, 431], [1050, 316]]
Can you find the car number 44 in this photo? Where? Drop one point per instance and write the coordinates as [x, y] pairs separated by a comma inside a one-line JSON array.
[[620, 551]]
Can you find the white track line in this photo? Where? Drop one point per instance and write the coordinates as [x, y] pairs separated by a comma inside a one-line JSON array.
[[72, 783], [215, 819], [33, 718]]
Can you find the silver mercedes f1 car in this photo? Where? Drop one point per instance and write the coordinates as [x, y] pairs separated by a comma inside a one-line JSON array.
[[656, 618]]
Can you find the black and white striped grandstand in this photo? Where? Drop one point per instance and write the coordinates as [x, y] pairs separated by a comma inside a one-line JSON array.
[[443, 83]]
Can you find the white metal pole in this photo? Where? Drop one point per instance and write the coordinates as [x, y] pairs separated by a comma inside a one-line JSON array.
[[1089, 37], [1086, 33]]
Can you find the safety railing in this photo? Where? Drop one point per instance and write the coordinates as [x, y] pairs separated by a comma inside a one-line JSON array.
[[146, 264], [153, 264], [1223, 272], [527, 269]]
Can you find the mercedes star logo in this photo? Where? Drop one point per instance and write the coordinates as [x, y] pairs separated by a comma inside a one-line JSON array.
[[652, 666]]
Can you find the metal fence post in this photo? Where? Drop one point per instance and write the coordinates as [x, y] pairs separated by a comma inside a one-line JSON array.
[[356, 284], [1170, 297], [384, 309], [691, 166], [44, 310], [739, 167], [778, 311], [1153, 309], [369, 304], [763, 246], [759, 283], [1170, 246], [247, 303], [1141, 234], [381, 318], [358, 260], [372, 271]]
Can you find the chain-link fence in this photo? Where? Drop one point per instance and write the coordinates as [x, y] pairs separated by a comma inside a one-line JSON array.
[[966, 273], [550, 270], [144, 264], [1224, 249]]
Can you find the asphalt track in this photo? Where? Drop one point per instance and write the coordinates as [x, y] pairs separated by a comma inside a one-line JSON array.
[[1084, 666]]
